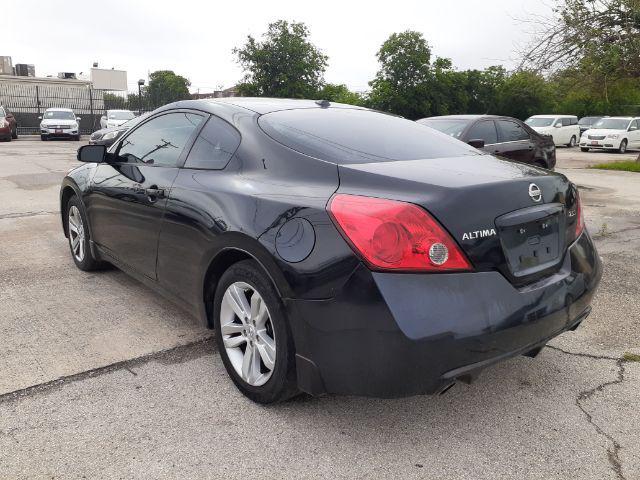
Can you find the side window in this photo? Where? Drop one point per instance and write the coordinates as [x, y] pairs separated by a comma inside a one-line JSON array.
[[566, 122], [485, 130], [511, 131], [633, 125], [215, 145], [574, 121], [159, 141]]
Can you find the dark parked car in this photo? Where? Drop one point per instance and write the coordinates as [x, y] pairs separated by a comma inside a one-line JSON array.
[[585, 123], [504, 136], [108, 136], [8, 125], [333, 248]]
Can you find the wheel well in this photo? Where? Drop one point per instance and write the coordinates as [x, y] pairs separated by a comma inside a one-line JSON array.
[[67, 193], [216, 268]]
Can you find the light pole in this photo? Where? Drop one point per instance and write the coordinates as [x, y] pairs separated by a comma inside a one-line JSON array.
[[140, 84]]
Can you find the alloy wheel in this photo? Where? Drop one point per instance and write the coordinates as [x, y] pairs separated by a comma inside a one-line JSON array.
[[247, 333], [76, 233]]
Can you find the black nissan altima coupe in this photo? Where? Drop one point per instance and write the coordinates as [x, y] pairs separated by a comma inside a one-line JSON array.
[[335, 249]]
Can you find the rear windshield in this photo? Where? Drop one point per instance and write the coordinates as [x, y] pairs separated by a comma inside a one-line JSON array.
[[345, 136], [539, 122], [451, 127]]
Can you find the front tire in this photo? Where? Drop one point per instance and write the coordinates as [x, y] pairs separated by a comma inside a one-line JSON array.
[[253, 335], [14, 134], [623, 146], [79, 239], [43, 138]]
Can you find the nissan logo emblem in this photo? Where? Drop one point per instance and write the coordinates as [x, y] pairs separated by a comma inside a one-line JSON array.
[[535, 193]]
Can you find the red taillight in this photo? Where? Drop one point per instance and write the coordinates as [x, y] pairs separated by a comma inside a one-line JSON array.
[[579, 215], [392, 235]]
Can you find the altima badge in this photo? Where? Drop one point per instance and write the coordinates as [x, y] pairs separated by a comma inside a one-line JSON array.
[[535, 193], [490, 232]]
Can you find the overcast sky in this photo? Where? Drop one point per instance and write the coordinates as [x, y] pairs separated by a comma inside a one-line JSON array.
[[195, 38]]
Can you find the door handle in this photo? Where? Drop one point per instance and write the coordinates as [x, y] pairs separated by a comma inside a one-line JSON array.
[[155, 193]]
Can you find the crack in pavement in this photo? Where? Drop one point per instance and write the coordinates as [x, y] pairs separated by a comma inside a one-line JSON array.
[[187, 351], [27, 214], [613, 454]]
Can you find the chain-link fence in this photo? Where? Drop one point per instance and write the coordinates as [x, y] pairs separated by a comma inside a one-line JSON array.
[[28, 102]]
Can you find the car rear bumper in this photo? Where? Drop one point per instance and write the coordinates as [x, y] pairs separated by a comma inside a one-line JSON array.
[[391, 335]]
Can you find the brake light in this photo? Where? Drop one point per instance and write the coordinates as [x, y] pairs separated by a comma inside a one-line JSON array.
[[392, 235], [579, 215]]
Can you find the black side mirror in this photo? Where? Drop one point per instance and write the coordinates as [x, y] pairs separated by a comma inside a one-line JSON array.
[[476, 143], [92, 153]]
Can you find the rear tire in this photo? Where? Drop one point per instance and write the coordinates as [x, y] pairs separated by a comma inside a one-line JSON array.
[[623, 146], [584, 149], [572, 142], [261, 339]]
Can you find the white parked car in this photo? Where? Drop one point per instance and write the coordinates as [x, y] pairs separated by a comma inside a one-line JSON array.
[[59, 123], [563, 128], [612, 133], [115, 118]]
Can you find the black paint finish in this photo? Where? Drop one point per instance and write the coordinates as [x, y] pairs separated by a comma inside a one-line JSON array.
[[356, 331]]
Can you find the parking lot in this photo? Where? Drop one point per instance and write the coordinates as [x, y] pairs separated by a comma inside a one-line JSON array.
[[103, 378]]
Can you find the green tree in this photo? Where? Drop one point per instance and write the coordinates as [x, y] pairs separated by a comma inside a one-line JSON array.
[[285, 64], [522, 94], [401, 85], [166, 87], [340, 94], [482, 87]]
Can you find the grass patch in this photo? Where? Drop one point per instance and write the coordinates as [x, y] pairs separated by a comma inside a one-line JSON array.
[[628, 166], [631, 357]]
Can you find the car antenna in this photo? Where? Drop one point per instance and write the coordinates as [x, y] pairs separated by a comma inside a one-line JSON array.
[[324, 103]]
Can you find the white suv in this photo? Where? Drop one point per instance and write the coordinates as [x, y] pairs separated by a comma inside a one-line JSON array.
[[612, 133], [115, 118], [563, 129], [60, 123]]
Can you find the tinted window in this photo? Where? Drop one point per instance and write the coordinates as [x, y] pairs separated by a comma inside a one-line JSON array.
[[511, 131], [566, 122], [586, 121], [451, 127], [573, 121], [634, 125], [345, 135], [484, 131], [160, 140], [215, 145]]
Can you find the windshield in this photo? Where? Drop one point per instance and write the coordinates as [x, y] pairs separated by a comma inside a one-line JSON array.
[[59, 115], [588, 120], [345, 136], [539, 122], [451, 127], [121, 115], [612, 123]]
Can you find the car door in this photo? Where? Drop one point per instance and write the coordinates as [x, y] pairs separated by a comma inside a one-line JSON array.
[[127, 196], [633, 134], [197, 209], [515, 141], [485, 130]]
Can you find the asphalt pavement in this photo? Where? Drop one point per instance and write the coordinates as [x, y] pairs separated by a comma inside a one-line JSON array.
[[102, 378]]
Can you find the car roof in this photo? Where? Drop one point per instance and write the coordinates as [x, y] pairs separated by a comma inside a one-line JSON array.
[[260, 105], [461, 117], [118, 110], [552, 116], [620, 118], [59, 110]]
